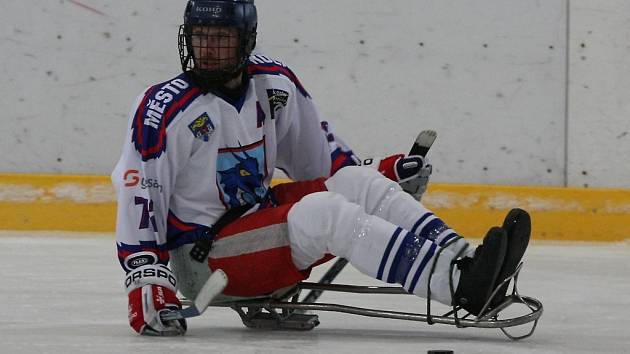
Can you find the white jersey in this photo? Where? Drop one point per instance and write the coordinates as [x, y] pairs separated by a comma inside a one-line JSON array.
[[189, 156]]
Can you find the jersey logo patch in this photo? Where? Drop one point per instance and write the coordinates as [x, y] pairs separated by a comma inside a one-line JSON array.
[[240, 174], [202, 127], [277, 100]]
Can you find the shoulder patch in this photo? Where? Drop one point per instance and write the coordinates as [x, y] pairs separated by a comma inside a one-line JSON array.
[[160, 104], [277, 100], [261, 65], [202, 127]]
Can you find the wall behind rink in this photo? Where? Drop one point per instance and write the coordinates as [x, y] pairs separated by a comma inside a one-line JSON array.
[[521, 92]]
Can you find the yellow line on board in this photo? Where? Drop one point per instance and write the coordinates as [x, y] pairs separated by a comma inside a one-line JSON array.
[[88, 203], [575, 214], [57, 202]]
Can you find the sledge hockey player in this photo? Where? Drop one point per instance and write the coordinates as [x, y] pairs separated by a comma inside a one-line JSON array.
[[194, 194]]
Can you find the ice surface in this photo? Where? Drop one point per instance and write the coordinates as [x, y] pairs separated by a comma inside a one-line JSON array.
[[63, 293]]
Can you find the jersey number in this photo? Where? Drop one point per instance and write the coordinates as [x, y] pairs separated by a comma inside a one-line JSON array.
[[147, 213]]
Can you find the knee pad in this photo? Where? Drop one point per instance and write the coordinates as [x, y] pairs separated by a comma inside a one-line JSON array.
[[364, 186], [320, 223], [355, 173]]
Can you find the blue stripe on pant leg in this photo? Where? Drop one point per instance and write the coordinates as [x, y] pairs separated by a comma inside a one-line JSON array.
[[421, 268], [405, 258], [420, 221], [448, 238], [388, 250], [433, 229]]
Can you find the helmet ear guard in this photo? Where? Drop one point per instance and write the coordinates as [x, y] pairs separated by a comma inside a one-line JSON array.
[[239, 14]]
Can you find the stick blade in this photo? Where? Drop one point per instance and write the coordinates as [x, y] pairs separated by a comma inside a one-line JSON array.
[[423, 142], [213, 287]]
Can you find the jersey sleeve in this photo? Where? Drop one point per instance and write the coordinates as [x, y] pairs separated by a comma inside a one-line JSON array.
[[303, 152], [340, 153], [308, 149], [144, 178]]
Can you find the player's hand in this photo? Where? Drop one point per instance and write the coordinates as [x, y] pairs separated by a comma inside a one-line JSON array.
[[150, 293], [411, 172], [417, 185]]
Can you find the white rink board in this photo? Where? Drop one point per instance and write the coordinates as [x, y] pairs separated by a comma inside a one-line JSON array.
[[480, 73], [489, 75], [599, 129], [63, 293]]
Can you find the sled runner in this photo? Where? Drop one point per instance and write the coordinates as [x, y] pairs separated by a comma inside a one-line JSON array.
[[289, 312]]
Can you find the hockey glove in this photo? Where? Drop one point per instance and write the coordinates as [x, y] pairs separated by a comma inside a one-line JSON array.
[[151, 290], [411, 172]]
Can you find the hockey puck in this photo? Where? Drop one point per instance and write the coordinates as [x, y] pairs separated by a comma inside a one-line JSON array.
[[440, 352]]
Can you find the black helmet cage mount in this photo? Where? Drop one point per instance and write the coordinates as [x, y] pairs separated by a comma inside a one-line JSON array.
[[239, 14]]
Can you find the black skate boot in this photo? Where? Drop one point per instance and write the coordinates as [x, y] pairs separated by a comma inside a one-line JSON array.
[[479, 274], [518, 227]]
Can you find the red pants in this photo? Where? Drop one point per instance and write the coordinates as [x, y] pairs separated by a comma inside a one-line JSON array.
[[254, 250]]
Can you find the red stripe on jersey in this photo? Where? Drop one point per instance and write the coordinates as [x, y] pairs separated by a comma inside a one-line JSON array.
[[277, 69], [139, 112], [243, 148], [173, 220]]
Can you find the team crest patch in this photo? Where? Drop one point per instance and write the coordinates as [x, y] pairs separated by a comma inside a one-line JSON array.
[[241, 172], [202, 127], [277, 100]]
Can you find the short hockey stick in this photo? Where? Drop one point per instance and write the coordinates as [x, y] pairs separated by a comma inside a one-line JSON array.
[[213, 287], [423, 143]]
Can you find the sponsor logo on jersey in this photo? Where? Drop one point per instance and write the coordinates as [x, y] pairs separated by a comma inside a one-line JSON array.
[[277, 100], [202, 127], [241, 172], [132, 179]]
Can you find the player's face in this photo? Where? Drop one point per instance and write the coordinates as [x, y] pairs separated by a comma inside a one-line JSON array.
[[214, 47]]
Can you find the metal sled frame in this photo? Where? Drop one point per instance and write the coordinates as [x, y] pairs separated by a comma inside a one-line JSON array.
[[289, 312]]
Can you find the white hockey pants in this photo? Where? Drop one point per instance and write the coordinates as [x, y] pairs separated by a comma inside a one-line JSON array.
[[382, 231]]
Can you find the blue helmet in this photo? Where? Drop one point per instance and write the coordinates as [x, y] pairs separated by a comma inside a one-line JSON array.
[[238, 14]]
